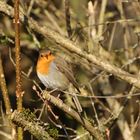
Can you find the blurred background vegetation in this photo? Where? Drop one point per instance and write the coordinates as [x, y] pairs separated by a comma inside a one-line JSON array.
[[108, 29]]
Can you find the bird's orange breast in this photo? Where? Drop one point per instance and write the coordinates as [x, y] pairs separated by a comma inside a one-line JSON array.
[[44, 63]]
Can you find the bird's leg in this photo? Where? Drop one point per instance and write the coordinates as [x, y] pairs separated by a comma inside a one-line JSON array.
[[77, 103], [75, 98]]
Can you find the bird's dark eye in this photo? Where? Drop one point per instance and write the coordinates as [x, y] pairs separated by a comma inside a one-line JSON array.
[[41, 55], [49, 53]]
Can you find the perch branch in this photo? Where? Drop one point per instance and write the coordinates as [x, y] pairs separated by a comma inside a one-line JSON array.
[[85, 123]]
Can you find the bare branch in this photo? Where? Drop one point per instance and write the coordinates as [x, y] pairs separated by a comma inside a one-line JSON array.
[[85, 123]]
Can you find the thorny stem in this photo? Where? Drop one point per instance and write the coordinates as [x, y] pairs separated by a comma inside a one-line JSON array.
[[19, 93]]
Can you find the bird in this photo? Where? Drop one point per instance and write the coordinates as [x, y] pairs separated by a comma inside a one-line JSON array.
[[55, 73]]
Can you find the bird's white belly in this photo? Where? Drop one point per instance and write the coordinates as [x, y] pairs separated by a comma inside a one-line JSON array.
[[54, 79]]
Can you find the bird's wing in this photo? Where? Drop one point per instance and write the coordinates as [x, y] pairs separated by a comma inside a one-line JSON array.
[[66, 68]]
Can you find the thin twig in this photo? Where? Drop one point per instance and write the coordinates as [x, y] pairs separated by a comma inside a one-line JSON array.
[[6, 135], [136, 124], [67, 16], [30, 7], [106, 96], [101, 17], [4, 89], [112, 37]]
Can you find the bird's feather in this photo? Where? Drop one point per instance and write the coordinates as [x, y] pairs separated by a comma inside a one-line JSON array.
[[66, 68]]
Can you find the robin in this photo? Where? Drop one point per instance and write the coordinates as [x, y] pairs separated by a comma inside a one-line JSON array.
[[55, 73]]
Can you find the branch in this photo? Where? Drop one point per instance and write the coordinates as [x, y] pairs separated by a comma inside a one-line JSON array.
[[67, 16], [6, 97], [19, 93], [18, 57], [28, 121], [4, 89], [85, 123]]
